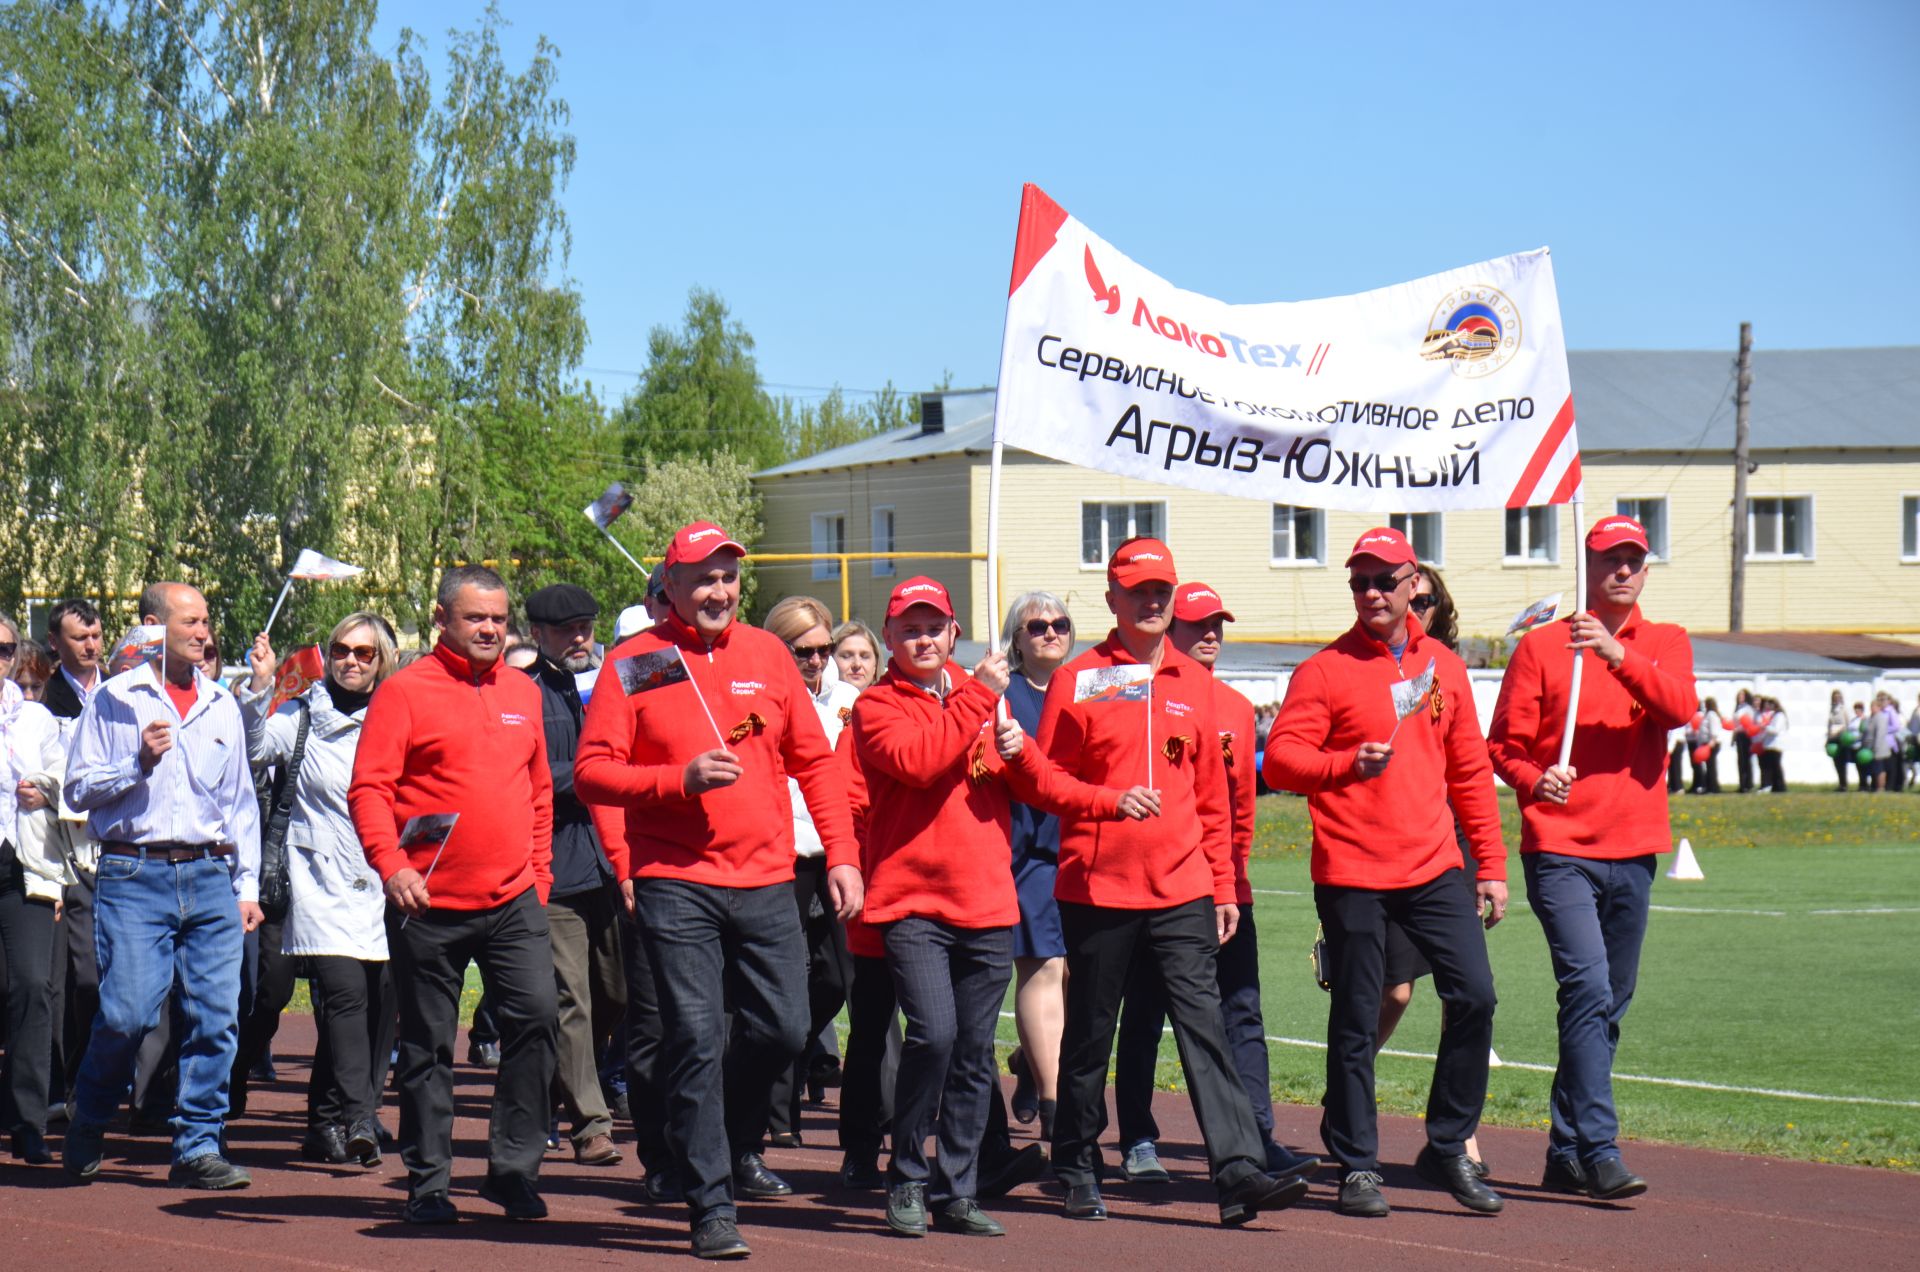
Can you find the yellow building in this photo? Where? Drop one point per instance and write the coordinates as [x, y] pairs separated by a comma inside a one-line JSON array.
[[1834, 517]]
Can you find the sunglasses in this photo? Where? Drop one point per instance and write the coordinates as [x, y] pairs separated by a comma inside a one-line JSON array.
[[1421, 604], [8, 648], [359, 653], [1038, 627], [1382, 583], [807, 653]]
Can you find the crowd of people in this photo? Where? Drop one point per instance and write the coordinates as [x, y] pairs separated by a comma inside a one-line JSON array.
[[676, 862]]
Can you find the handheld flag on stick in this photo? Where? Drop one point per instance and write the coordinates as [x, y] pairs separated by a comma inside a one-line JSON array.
[[146, 642], [314, 568], [606, 510], [1411, 697], [1130, 682], [427, 828], [296, 674], [1538, 614], [656, 669]]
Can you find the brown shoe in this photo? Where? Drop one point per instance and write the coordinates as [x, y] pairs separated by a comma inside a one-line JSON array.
[[598, 1151]]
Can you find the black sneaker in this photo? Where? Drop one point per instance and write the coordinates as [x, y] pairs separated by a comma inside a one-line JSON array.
[[965, 1218], [907, 1209], [718, 1238], [431, 1208], [752, 1179], [1609, 1180], [514, 1194], [81, 1153], [209, 1172], [1360, 1196]]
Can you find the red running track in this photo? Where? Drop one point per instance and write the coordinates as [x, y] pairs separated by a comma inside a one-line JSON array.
[[1705, 1208]]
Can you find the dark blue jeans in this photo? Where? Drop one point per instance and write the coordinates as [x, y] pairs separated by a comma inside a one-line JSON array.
[[717, 951], [1594, 914], [160, 926]]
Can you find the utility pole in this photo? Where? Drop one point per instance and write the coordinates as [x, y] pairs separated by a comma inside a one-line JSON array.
[[1737, 594]]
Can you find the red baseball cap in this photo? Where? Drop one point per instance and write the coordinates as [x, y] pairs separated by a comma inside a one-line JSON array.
[[700, 540], [1383, 543], [1196, 602], [1611, 532], [919, 590], [1140, 561]]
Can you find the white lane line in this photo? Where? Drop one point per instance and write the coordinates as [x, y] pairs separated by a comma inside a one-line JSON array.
[[1890, 909], [1702, 909], [1276, 892], [1694, 909]]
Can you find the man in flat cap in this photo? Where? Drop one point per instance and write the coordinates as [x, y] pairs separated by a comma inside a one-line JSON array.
[[583, 911]]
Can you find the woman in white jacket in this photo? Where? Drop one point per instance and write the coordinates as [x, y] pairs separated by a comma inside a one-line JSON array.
[[336, 914], [32, 872]]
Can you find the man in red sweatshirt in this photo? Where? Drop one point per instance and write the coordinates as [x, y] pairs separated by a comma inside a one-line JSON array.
[[457, 735], [1378, 730], [694, 728], [1592, 830], [1134, 710]]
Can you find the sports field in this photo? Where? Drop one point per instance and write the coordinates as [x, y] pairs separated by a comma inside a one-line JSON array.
[[1778, 1005]]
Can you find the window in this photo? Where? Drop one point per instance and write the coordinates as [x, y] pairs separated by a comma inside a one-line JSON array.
[[829, 536], [1105, 526], [883, 541], [1533, 535], [1299, 536], [1780, 527], [1910, 528], [1423, 531], [1651, 513]]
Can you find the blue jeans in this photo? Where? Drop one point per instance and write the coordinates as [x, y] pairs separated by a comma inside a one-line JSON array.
[[720, 952], [159, 926], [1594, 914]]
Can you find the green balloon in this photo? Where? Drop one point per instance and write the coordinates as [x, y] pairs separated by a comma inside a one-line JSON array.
[[1864, 755], [1849, 739], [1833, 748]]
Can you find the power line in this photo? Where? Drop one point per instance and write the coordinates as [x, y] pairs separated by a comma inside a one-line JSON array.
[[765, 384]]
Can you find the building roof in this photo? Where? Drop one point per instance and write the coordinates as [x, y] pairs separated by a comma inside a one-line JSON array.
[[1850, 647], [1628, 401]]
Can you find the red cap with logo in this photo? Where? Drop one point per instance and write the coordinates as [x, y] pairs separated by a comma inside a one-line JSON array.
[[700, 540], [1196, 602], [919, 590], [1140, 561], [1611, 532], [1383, 543]]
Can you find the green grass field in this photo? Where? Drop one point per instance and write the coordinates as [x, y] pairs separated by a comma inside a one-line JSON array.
[[1791, 999]]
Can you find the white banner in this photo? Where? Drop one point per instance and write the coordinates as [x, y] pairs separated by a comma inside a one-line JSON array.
[[317, 567], [1447, 392]]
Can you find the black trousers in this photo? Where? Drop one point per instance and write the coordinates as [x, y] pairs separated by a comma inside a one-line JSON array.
[[1144, 1014], [352, 1007], [829, 970], [26, 935], [1706, 777], [1180, 943], [80, 966], [645, 1035], [870, 1068], [431, 953], [1771, 776], [1743, 757], [1441, 918], [271, 986]]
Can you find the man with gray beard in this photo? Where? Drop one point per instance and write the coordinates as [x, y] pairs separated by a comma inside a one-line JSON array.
[[583, 911]]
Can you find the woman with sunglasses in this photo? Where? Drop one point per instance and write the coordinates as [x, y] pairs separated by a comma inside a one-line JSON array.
[[1038, 638], [805, 625], [336, 917]]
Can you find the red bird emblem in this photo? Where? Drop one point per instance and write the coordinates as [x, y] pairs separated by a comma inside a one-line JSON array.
[[1102, 294]]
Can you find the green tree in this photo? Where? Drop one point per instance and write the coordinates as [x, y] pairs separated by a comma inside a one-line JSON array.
[[701, 393]]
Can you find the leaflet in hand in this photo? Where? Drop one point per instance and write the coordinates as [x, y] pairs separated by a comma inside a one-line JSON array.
[[1410, 697], [640, 673], [1131, 682]]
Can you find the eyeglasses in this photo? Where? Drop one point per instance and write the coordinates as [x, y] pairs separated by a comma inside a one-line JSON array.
[[8, 648], [1421, 604], [1381, 583], [359, 653], [807, 653], [1038, 627]]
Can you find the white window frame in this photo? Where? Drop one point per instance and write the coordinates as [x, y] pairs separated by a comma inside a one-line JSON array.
[[1657, 551], [884, 569], [1439, 555], [1910, 523], [1296, 561], [1808, 555], [1551, 513], [1133, 530], [828, 569]]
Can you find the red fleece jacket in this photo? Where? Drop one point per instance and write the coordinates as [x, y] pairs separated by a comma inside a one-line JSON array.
[[1618, 806], [440, 739], [938, 838], [1395, 830], [1187, 851], [1233, 717], [634, 750]]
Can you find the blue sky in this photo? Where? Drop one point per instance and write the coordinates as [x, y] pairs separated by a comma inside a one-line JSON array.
[[848, 176]]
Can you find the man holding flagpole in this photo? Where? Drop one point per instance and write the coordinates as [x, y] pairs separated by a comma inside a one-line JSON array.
[[1378, 730], [1592, 825], [158, 762], [1134, 710], [697, 749]]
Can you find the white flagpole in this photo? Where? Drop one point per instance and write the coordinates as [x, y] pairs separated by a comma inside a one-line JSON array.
[[281, 600], [1579, 607], [1149, 727], [621, 550], [993, 557]]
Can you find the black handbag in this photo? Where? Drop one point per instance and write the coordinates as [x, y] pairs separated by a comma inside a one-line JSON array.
[[276, 812]]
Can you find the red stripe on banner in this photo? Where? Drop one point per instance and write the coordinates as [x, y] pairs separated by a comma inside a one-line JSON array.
[[1569, 483], [1322, 364], [1542, 455], [1040, 222]]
